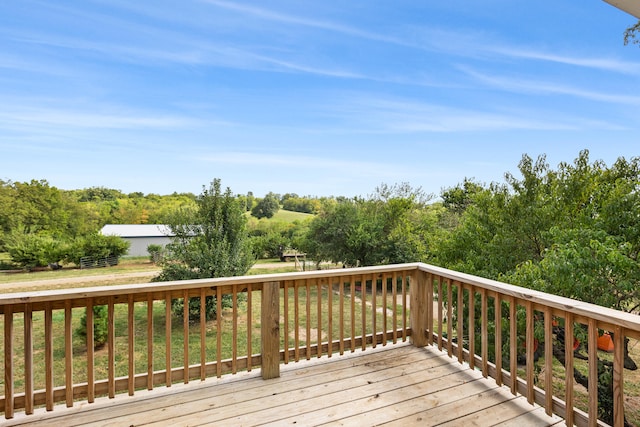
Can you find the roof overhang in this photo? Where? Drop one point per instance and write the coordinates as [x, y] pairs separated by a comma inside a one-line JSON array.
[[630, 6]]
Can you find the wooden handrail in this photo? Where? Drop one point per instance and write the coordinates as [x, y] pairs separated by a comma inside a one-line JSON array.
[[300, 315]]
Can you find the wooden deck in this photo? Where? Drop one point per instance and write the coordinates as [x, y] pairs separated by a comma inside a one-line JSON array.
[[392, 385]]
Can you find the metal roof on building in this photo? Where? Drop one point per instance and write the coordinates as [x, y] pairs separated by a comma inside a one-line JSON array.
[[137, 230]]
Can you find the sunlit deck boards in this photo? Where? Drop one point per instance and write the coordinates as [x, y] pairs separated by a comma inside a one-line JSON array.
[[393, 385]]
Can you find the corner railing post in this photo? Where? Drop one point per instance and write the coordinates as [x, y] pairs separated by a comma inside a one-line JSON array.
[[419, 308], [270, 330]]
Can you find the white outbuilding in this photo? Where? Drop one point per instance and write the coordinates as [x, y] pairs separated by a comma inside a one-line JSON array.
[[140, 236]]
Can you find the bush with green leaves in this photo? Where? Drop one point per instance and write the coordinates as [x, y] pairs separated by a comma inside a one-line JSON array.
[[100, 331], [97, 246], [33, 250]]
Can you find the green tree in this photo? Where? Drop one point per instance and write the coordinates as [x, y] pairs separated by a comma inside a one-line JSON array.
[[266, 207], [573, 232], [384, 228], [210, 241]]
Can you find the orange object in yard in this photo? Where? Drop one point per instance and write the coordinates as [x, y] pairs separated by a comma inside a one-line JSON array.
[[605, 343]]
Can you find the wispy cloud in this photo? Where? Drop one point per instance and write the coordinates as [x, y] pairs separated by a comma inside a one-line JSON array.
[[607, 64], [269, 15], [548, 88]]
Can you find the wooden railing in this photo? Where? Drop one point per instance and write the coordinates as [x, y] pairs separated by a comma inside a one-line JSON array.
[[274, 319]]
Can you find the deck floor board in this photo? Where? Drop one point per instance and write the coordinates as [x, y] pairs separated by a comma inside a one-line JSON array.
[[391, 385]]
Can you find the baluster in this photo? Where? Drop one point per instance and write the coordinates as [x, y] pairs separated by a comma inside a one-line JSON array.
[[484, 335], [385, 284], [341, 287], [374, 309], [568, 354], [530, 339], [440, 313], [460, 313], [218, 331], [167, 333], [28, 360], [150, 342], [203, 334], [91, 380], [498, 337], [8, 361], [234, 336], [48, 355], [618, 377], [394, 294], [472, 328], [449, 318], [352, 282], [250, 328], [513, 345], [363, 297], [404, 307], [185, 335], [593, 372], [319, 335], [111, 345], [286, 322], [330, 317], [308, 319], [68, 354], [296, 320], [131, 324], [548, 360]]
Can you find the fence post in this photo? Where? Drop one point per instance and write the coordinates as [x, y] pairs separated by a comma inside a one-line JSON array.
[[419, 308], [270, 330]]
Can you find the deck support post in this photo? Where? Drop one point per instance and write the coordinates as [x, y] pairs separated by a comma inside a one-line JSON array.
[[270, 330], [418, 293]]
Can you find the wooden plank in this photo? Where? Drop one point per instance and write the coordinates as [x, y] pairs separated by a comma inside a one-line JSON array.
[[428, 284], [404, 307], [91, 379], [481, 414], [296, 321], [535, 418], [328, 393], [188, 400], [270, 330], [408, 405]]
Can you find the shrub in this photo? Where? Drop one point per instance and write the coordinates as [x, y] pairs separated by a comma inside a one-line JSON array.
[[100, 331]]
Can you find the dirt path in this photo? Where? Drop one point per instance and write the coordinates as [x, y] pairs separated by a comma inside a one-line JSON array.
[[148, 274]]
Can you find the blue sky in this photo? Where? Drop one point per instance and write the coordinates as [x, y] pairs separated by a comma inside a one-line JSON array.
[[311, 97]]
